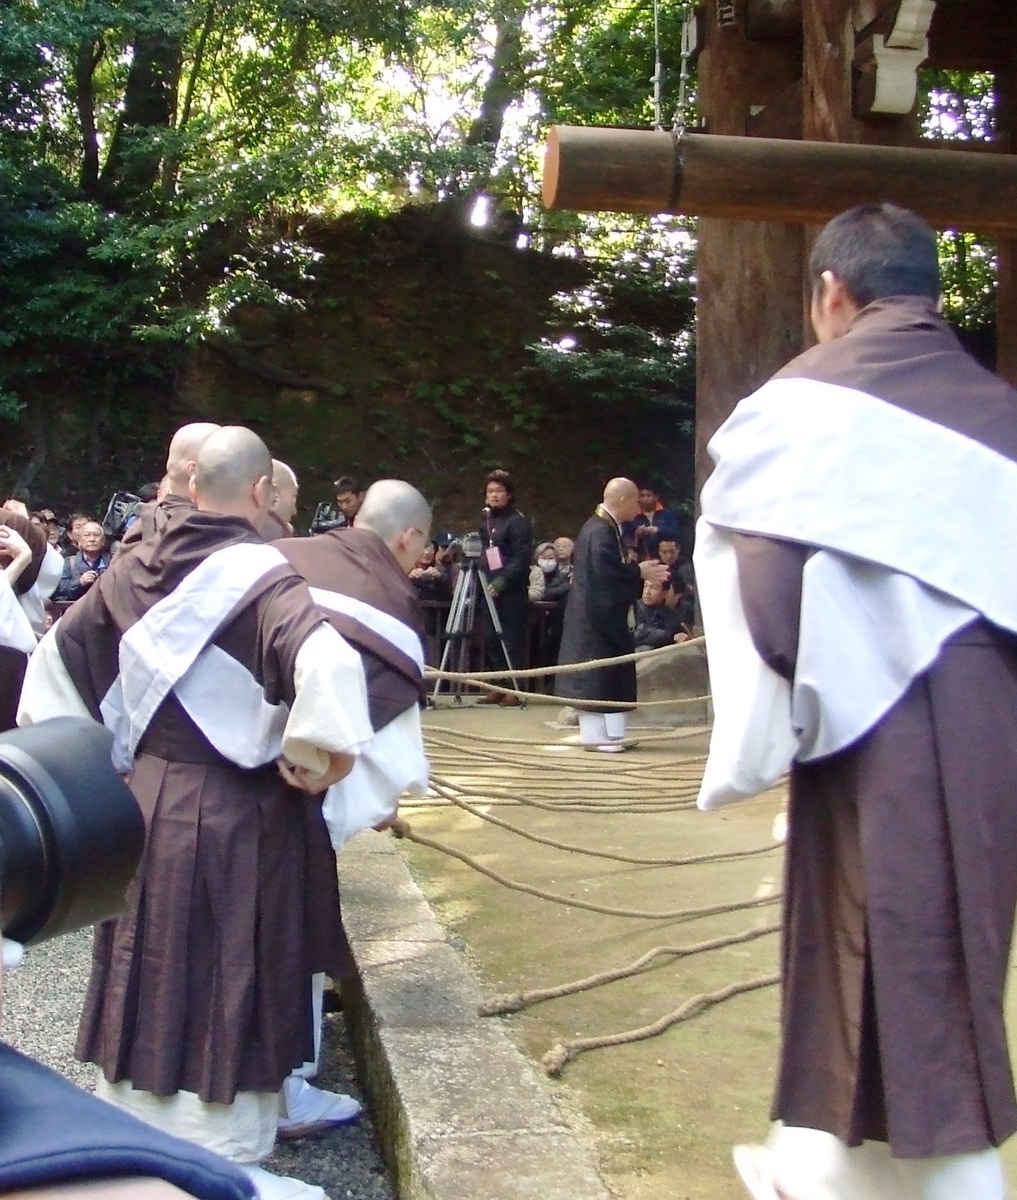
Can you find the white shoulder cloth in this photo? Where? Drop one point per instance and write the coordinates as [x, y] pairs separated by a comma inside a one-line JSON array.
[[906, 516]]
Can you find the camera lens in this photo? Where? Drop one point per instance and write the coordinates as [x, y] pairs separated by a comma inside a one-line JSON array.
[[71, 833]]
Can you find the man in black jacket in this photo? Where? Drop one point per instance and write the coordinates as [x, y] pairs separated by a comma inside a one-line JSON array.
[[508, 544]]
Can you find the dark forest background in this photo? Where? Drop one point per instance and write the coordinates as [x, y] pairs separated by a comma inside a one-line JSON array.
[[321, 219]]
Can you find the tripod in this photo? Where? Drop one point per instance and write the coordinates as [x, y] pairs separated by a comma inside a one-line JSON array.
[[459, 627]]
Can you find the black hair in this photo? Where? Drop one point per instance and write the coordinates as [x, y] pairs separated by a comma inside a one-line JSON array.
[[878, 250], [346, 483], [504, 478]]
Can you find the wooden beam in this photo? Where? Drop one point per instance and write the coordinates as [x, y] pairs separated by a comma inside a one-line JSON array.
[[769, 179]]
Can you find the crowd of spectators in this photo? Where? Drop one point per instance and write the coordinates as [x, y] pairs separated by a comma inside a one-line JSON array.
[[530, 582]]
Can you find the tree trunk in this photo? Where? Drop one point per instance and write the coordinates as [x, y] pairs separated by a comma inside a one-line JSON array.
[[87, 59]]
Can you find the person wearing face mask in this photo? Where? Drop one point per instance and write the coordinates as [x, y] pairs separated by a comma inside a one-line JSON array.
[[549, 586]]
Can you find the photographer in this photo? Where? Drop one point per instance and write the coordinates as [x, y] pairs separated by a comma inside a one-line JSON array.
[[508, 544], [62, 870]]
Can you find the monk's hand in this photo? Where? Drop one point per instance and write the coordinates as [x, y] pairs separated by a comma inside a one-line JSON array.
[[339, 766], [653, 570]]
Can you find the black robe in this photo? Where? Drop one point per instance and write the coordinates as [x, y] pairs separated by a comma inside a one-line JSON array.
[[598, 617]]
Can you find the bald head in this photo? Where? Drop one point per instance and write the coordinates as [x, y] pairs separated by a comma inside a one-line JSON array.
[[233, 474], [183, 454], [400, 516], [621, 499], [286, 487]]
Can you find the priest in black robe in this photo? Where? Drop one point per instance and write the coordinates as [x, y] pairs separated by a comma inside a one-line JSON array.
[[599, 621]]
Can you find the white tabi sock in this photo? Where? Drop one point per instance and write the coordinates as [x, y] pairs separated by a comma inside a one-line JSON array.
[[615, 724], [310, 1069], [592, 729]]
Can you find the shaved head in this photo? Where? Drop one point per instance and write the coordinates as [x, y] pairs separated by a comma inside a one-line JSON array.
[[183, 454], [399, 515], [233, 473], [621, 499], [286, 487]]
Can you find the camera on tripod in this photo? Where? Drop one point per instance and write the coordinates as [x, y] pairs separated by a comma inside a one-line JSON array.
[[327, 517], [469, 545], [71, 833]]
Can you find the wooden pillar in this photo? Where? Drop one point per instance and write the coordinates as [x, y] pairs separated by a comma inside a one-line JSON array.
[[749, 318], [1006, 288]]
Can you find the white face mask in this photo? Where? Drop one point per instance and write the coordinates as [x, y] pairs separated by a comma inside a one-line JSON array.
[[547, 565]]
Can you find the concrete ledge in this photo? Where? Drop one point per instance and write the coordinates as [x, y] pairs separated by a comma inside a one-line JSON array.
[[461, 1113]]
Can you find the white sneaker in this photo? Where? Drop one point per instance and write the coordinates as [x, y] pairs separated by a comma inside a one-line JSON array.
[[310, 1110], [281, 1187]]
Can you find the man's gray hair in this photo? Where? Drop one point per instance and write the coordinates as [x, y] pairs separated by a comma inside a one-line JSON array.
[[229, 461], [392, 505]]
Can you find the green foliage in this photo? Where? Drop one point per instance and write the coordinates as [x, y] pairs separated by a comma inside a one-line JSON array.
[[959, 106]]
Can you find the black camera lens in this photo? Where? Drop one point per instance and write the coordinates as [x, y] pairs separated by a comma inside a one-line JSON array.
[[71, 833]]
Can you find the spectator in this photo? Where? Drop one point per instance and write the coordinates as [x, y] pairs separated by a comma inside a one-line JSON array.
[[71, 531], [53, 526], [447, 557], [349, 495], [657, 624], [564, 547], [547, 580], [652, 523], [430, 580], [550, 586], [681, 580], [85, 567]]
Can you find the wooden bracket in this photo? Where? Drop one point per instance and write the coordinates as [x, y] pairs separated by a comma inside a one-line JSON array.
[[888, 65]]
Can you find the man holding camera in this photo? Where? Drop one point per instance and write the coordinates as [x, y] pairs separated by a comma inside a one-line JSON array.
[[199, 1003]]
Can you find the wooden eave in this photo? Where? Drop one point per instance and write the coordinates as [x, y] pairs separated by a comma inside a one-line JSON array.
[[965, 35]]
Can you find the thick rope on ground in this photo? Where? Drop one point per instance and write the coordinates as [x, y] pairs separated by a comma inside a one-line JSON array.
[[578, 806], [556, 1059], [401, 829], [691, 860], [514, 1001]]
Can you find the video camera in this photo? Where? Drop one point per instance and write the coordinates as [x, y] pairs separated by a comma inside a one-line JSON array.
[[327, 517], [71, 833], [469, 545], [122, 506]]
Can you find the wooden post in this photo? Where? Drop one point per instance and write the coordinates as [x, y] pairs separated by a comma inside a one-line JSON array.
[[1006, 286], [748, 318]]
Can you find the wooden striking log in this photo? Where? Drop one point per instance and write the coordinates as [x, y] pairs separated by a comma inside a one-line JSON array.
[[770, 179]]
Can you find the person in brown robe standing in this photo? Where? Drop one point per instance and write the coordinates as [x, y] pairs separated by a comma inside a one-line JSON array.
[[199, 1002], [858, 586], [358, 579]]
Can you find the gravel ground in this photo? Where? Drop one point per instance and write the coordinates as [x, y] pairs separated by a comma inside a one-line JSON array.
[[42, 1000]]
